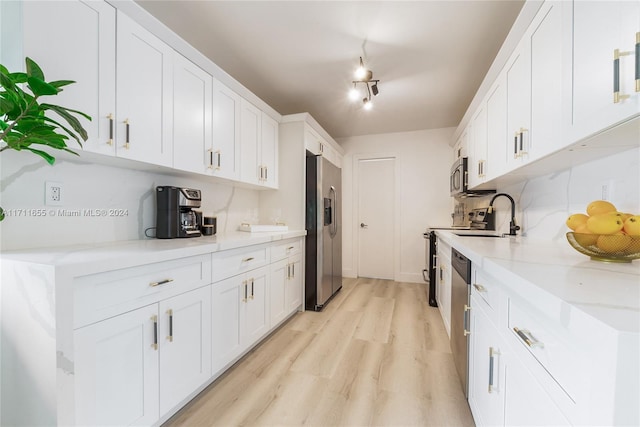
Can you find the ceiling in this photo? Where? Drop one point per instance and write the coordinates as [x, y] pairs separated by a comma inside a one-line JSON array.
[[299, 56]]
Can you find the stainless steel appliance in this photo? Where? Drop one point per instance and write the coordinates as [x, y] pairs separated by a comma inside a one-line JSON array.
[[323, 275], [175, 215], [459, 180], [460, 328]]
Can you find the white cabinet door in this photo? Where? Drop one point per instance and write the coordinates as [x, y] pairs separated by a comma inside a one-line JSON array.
[[224, 157], [269, 151], [192, 92], [277, 290], [256, 307], [600, 27], [226, 304], [518, 81], [478, 158], [526, 402], [498, 143], [185, 345], [250, 134], [293, 291], [116, 370], [144, 96], [546, 81], [486, 369], [443, 278], [79, 44]]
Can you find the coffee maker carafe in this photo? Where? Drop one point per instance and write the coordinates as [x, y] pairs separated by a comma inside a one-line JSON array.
[[175, 215]]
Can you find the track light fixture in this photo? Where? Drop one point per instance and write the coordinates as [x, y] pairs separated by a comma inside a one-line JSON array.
[[364, 76]]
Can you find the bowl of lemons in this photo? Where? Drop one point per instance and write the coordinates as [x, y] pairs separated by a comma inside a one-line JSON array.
[[604, 233]]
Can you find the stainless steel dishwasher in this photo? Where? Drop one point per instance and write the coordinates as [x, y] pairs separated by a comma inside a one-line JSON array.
[[460, 287]]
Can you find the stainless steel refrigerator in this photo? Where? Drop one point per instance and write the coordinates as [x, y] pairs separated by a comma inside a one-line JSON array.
[[323, 275]]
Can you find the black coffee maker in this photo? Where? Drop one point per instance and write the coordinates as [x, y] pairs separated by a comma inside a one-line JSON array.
[[175, 215]]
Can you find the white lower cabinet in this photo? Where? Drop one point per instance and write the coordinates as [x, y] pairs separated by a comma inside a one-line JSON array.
[[443, 283], [132, 368], [240, 314], [116, 370], [486, 369], [286, 280], [184, 337]]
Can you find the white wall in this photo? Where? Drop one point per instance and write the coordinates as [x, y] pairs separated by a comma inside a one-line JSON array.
[[543, 204], [423, 160], [94, 186]]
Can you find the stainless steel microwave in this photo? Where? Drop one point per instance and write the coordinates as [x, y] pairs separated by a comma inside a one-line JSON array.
[[459, 180]]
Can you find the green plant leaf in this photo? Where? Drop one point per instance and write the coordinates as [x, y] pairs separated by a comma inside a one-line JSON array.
[[73, 122], [71, 151], [1, 214], [60, 83], [48, 157], [68, 131], [33, 69], [6, 106], [58, 144], [18, 77], [4, 70], [6, 82], [40, 87], [86, 116]]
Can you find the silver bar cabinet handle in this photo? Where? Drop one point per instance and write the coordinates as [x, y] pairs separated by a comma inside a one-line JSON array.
[[529, 339]]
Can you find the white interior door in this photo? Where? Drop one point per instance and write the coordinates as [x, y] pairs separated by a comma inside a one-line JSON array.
[[376, 209]]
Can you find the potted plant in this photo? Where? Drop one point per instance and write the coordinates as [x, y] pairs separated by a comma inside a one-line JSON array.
[[24, 125]]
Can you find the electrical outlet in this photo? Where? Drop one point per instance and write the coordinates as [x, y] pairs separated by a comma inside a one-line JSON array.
[[53, 193], [607, 190]]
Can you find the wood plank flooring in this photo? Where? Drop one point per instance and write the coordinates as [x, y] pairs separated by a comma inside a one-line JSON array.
[[377, 355]]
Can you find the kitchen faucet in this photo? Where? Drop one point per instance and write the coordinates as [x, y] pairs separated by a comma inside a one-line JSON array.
[[513, 228]]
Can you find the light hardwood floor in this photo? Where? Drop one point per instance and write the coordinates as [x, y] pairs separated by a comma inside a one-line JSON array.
[[377, 355]]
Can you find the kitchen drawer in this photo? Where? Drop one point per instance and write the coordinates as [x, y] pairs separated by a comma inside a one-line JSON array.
[[560, 358], [103, 295], [282, 250], [487, 293], [230, 263]]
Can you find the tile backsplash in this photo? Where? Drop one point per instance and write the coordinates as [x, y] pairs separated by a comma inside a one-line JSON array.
[[543, 204]]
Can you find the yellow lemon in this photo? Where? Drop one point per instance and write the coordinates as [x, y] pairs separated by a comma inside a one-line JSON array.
[[585, 237], [604, 224], [611, 243], [598, 207], [632, 225], [576, 220]]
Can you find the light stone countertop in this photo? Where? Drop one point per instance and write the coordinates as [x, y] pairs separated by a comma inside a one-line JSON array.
[[550, 274], [97, 258]]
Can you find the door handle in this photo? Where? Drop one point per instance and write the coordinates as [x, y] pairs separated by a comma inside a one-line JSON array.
[[363, 225]]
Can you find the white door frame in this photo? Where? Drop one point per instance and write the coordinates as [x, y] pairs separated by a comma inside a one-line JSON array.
[[356, 208]]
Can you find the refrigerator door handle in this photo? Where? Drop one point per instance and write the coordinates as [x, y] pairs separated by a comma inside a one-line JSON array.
[[334, 201]]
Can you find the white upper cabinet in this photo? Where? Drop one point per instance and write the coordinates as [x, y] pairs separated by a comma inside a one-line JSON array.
[[518, 81], [269, 151], [497, 141], [259, 147], [478, 156], [599, 29], [144, 94], [85, 35], [250, 134], [224, 155], [318, 146], [192, 93], [546, 80]]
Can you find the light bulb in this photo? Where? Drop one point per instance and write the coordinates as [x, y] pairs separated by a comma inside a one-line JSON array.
[[360, 72], [353, 94], [368, 105]]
